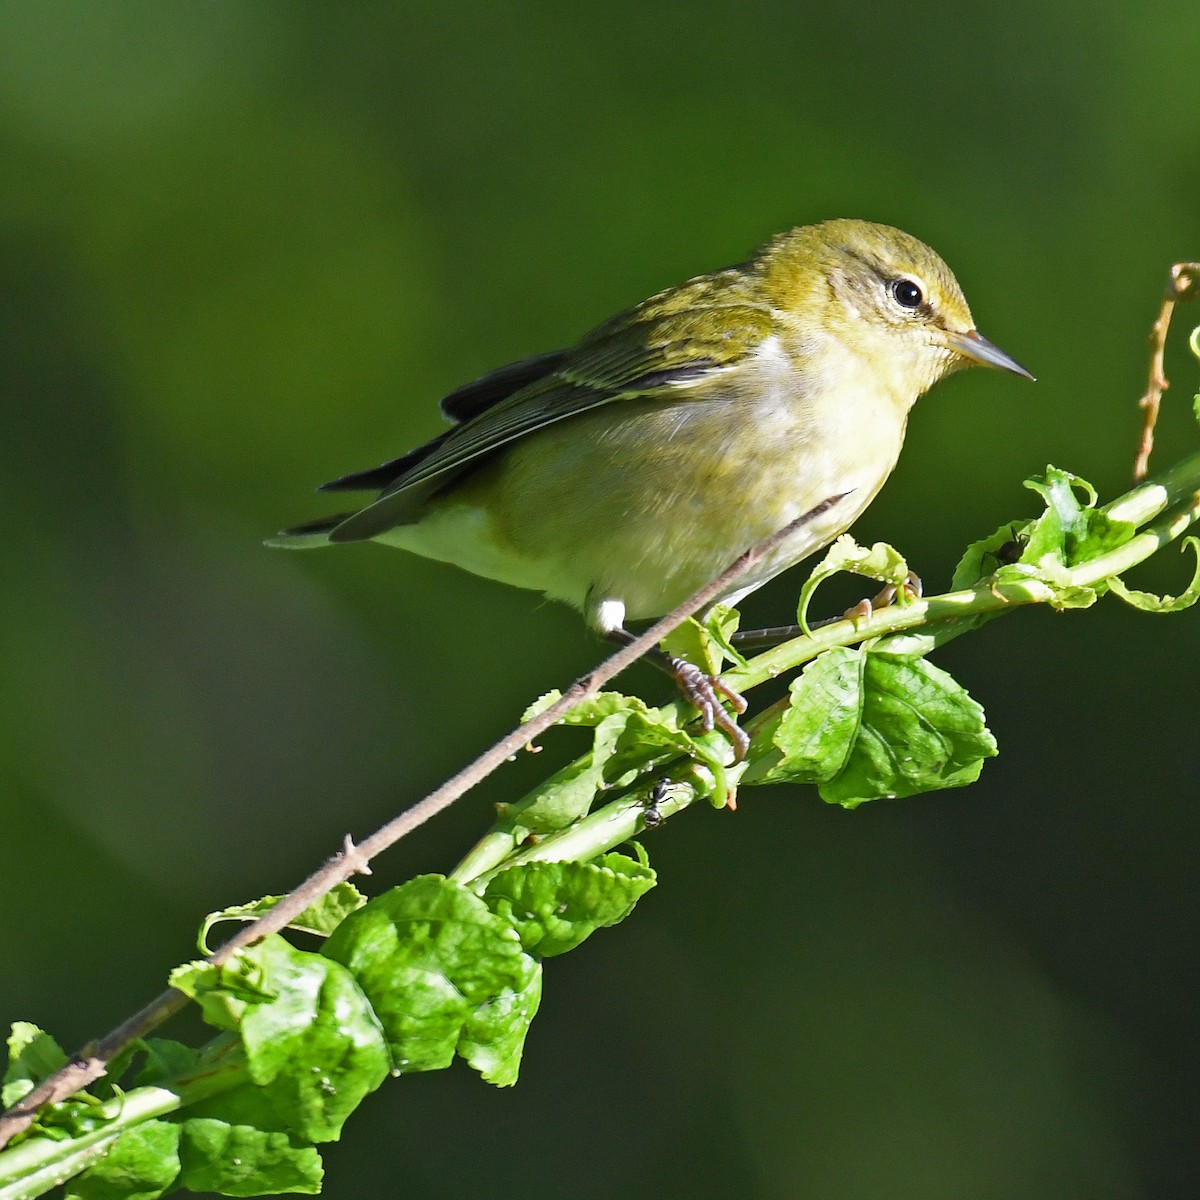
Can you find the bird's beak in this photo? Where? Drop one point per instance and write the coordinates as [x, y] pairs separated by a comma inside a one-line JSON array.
[[975, 346]]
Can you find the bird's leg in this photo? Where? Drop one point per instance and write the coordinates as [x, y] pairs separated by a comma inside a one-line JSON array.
[[861, 611], [702, 691]]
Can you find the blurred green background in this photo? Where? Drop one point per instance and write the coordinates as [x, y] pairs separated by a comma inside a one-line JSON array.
[[245, 247]]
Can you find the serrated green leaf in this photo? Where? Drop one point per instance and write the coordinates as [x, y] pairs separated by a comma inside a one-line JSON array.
[[555, 905], [601, 706], [811, 739], [721, 623], [563, 798], [591, 710], [540, 705], [645, 738], [140, 1165], [33, 1055], [1063, 593], [310, 1035], [919, 731], [429, 955], [863, 725], [493, 1036], [316, 1044], [239, 1160], [321, 917], [568, 794], [1149, 602]]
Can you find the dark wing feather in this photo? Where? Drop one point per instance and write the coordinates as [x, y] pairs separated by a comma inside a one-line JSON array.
[[481, 394], [680, 336], [460, 405], [375, 479]]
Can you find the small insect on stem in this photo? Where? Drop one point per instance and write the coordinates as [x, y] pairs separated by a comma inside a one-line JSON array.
[[651, 817], [1183, 284]]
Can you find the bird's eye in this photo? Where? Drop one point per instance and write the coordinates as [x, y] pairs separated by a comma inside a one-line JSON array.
[[906, 293]]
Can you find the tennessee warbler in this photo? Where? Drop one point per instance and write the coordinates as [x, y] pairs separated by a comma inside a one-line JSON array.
[[622, 474]]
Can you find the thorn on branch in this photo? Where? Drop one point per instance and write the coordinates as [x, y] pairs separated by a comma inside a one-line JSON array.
[[355, 860]]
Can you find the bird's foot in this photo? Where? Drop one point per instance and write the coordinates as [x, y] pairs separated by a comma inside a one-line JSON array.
[[705, 692], [862, 611]]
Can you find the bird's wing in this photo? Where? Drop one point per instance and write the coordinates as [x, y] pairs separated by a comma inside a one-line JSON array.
[[679, 337], [462, 404], [488, 390]]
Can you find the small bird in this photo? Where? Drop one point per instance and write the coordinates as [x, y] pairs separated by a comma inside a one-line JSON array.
[[624, 473]]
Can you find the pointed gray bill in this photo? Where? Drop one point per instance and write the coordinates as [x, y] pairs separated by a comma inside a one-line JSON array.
[[974, 345]]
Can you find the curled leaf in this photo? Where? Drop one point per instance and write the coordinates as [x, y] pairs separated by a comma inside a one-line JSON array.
[[321, 917], [1149, 602], [880, 562], [983, 557]]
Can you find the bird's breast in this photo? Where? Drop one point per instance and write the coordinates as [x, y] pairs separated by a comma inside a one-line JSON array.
[[642, 501]]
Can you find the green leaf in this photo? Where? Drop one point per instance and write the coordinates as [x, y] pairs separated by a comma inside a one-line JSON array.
[[868, 725], [240, 1160], [310, 1036], [599, 707], [555, 905], [32, 1056], [244, 1104], [222, 992], [316, 1045], [540, 705], [983, 557], [691, 642], [1069, 532], [879, 562], [493, 1035], [568, 794], [811, 739], [629, 738], [721, 624], [1064, 593], [443, 973], [920, 731], [1149, 602], [321, 917], [141, 1164], [589, 711], [164, 1059], [707, 645]]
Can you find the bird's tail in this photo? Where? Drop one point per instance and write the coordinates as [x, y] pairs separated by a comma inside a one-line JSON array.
[[307, 536]]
